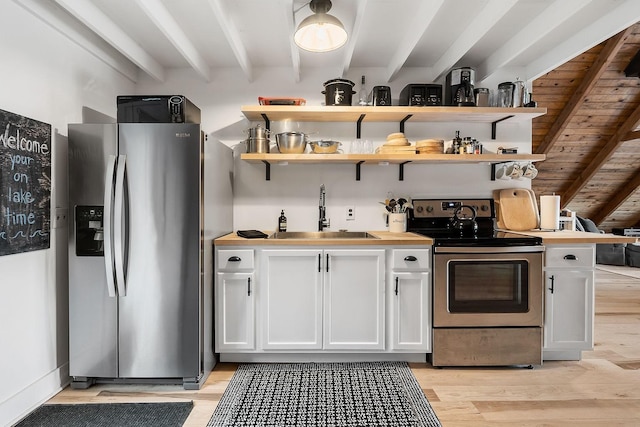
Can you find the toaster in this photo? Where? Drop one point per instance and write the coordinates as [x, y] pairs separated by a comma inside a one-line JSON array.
[[381, 95], [421, 94]]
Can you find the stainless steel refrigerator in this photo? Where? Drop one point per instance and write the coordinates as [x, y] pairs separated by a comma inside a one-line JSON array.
[[140, 267]]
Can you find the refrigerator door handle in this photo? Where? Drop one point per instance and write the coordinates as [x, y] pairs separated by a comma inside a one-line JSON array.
[[118, 252], [107, 225]]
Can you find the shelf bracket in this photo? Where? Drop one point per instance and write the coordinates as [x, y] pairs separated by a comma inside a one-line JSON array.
[[267, 169], [359, 126], [493, 126], [401, 167], [358, 169], [403, 121], [267, 122]]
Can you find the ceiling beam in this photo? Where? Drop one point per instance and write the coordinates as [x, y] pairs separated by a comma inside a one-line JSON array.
[[100, 23], [626, 191], [536, 29], [290, 19], [158, 13], [601, 158], [233, 38], [492, 12], [632, 136], [53, 15], [353, 37], [595, 71], [413, 33], [621, 14]]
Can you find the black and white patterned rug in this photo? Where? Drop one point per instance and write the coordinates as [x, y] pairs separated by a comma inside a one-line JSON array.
[[324, 394]]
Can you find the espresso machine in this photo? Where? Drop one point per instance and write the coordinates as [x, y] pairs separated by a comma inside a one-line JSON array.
[[459, 87]]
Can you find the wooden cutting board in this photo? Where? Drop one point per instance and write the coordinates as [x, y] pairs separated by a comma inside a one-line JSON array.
[[516, 209]]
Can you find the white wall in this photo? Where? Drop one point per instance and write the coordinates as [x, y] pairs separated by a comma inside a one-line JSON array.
[[295, 188], [48, 78]]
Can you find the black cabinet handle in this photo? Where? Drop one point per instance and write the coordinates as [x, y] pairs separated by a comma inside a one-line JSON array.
[[327, 262], [396, 286], [248, 286], [552, 278], [410, 258], [571, 257], [235, 259], [319, 262]]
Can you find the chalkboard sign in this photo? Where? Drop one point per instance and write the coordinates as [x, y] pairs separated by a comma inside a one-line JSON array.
[[25, 184]]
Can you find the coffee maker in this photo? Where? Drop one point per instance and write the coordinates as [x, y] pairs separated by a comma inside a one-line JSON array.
[[459, 87]]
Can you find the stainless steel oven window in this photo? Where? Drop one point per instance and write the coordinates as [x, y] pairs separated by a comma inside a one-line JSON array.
[[487, 286]]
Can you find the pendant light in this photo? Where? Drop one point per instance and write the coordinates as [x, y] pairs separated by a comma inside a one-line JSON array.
[[320, 32]]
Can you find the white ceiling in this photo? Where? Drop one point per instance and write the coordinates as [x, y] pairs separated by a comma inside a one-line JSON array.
[[153, 36]]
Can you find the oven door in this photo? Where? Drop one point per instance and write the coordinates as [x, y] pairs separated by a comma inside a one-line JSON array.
[[485, 287]]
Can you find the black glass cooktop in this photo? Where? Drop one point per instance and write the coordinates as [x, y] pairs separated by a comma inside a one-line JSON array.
[[490, 238]]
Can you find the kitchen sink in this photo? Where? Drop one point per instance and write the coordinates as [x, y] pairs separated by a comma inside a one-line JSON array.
[[322, 235]]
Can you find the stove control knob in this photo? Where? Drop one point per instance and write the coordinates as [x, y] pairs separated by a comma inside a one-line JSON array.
[[429, 209], [419, 209], [484, 208]]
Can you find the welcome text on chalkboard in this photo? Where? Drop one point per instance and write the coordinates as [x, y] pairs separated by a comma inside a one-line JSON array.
[[25, 184]]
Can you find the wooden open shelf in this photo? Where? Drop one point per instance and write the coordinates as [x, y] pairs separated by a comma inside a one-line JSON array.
[[384, 159]]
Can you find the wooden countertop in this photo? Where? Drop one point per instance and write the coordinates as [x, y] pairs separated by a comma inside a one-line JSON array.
[[568, 236], [383, 238]]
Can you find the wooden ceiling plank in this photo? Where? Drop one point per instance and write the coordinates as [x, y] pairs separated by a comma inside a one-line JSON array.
[[412, 34], [233, 38], [100, 23], [484, 22], [161, 17], [607, 54], [626, 190], [601, 157], [544, 23]]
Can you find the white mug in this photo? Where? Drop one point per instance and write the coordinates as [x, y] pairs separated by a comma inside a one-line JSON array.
[[514, 170], [530, 171], [501, 173]]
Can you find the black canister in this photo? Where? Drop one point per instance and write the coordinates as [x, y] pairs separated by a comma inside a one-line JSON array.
[[338, 92]]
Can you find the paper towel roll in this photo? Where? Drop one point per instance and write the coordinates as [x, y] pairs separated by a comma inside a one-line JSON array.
[[550, 212]]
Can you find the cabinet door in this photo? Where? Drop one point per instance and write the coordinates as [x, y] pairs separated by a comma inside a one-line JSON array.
[[411, 319], [235, 311], [569, 309], [291, 299], [354, 299]]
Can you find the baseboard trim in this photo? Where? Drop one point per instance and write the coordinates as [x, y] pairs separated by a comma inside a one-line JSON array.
[[26, 400]]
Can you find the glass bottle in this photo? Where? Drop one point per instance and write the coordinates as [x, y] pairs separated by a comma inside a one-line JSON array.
[[282, 222], [363, 95]]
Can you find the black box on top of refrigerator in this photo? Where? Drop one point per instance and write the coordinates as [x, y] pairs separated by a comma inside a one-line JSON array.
[[157, 109]]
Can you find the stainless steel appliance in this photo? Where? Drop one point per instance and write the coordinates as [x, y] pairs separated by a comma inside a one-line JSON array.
[[417, 94], [156, 109], [381, 95], [487, 287], [140, 273], [459, 85]]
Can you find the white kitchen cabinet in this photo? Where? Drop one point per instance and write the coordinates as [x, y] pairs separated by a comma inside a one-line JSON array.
[[569, 301], [409, 300], [235, 300], [291, 299], [331, 299], [354, 299]]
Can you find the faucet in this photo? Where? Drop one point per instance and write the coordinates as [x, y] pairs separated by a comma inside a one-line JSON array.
[[323, 222]]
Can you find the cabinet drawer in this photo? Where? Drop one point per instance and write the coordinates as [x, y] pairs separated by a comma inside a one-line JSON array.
[[411, 259], [570, 256], [235, 259]]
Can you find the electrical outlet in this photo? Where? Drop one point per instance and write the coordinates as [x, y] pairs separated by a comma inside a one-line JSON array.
[[351, 213]]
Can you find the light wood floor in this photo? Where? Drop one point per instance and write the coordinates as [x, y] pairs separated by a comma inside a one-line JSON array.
[[603, 389]]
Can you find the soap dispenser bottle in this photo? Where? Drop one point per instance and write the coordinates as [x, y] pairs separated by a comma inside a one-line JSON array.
[[282, 222]]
